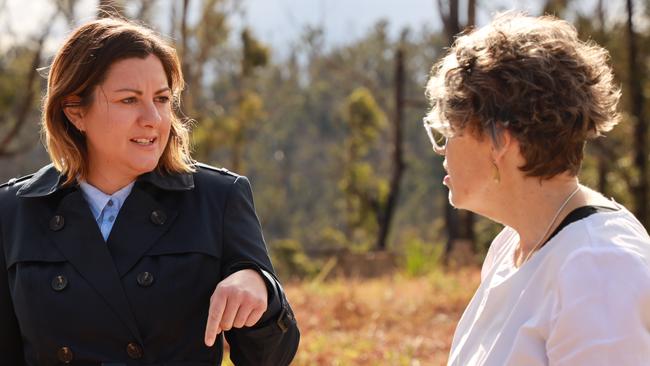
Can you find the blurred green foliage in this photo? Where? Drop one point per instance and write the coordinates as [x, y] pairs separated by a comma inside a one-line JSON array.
[[420, 258], [290, 261], [310, 130]]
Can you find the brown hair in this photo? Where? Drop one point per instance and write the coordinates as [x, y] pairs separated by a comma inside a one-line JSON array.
[[82, 64], [533, 77]]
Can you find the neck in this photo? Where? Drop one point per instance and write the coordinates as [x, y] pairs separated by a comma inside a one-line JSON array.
[[108, 183], [531, 207]]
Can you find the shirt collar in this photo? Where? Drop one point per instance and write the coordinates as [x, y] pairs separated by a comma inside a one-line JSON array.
[[98, 199], [49, 180]]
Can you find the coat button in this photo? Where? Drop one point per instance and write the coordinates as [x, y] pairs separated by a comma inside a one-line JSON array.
[[158, 217], [134, 350], [145, 279], [57, 222], [64, 354], [59, 283]]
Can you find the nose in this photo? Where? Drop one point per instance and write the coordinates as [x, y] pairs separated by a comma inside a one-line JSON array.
[[149, 115], [444, 165]]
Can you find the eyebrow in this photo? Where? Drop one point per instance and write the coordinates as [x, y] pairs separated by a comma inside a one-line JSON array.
[[138, 92]]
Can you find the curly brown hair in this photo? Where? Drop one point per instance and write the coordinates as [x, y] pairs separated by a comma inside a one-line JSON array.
[[533, 77]]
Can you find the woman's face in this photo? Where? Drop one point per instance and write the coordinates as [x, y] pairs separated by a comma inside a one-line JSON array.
[[128, 122], [470, 171]]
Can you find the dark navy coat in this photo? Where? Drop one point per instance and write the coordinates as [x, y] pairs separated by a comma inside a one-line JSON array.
[[141, 297]]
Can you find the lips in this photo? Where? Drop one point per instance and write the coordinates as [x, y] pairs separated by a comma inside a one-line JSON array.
[[144, 141]]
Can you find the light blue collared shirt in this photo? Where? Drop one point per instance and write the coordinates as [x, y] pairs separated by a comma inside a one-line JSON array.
[[105, 207]]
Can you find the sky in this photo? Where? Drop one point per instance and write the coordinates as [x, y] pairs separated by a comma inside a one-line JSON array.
[[275, 22], [279, 23]]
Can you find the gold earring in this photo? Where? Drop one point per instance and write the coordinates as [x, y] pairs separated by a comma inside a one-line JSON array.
[[496, 176]]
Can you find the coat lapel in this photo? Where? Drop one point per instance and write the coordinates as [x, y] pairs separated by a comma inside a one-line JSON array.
[[77, 236], [141, 222]]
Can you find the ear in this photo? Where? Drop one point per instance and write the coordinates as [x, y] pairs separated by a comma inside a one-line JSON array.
[[74, 111], [506, 143]]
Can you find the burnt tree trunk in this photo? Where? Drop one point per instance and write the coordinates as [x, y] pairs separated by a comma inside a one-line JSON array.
[[640, 189], [110, 8], [24, 106], [386, 215], [459, 224]]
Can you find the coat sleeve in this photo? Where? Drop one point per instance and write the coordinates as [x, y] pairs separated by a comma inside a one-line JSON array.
[[274, 339], [11, 346]]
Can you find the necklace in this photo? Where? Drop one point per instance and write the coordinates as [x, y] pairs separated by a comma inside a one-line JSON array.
[[550, 225]]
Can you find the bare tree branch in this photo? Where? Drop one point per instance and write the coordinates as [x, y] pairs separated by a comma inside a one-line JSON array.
[[386, 215], [67, 8], [23, 108], [608, 154], [8, 31], [600, 15], [636, 78], [110, 8], [144, 12], [172, 20], [471, 13], [185, 54], [449, 17]]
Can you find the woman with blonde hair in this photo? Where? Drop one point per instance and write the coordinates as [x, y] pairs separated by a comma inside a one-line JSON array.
[[124, 251], [567, 281]]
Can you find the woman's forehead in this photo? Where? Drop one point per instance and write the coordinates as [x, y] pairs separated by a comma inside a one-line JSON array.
[[136, 73]]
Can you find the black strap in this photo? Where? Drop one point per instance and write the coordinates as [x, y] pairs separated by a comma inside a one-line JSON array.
[[579, 214]]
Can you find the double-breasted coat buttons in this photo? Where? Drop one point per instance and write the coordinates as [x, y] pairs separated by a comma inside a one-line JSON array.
[[145, 279], [134, 351], [158, 217], [57, 222], [65, 355], [59, 283]]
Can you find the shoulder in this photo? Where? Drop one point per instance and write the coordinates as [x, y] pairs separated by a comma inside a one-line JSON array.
[[605, 251], [208, 176], [209, 172], [606, 233], [222, 187], [209, 169], [9, 188], [16, 181], [9, 199]]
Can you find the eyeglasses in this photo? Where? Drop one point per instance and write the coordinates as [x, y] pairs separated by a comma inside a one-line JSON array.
[[493, 130], [432, 132]]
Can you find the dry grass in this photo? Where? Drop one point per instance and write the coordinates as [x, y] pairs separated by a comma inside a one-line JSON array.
[[389, 321]]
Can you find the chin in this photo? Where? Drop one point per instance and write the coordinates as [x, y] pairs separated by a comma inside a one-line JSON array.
[[144, 167], [452, 199], [459, 203]]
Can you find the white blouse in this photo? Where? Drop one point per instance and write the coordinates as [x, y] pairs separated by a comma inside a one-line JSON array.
[[582, 299]]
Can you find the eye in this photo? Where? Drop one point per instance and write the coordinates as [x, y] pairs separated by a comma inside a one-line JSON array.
[[129, 100], [162, 99]]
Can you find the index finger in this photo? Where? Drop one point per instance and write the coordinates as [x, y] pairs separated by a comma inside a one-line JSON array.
[[215, 313]]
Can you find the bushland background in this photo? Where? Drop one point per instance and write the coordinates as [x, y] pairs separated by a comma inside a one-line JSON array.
[[325, 117]]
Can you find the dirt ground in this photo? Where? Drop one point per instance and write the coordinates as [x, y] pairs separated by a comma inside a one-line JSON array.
[[395, 320]]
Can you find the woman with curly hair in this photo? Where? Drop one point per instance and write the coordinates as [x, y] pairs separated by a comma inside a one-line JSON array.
[[567, 281]]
